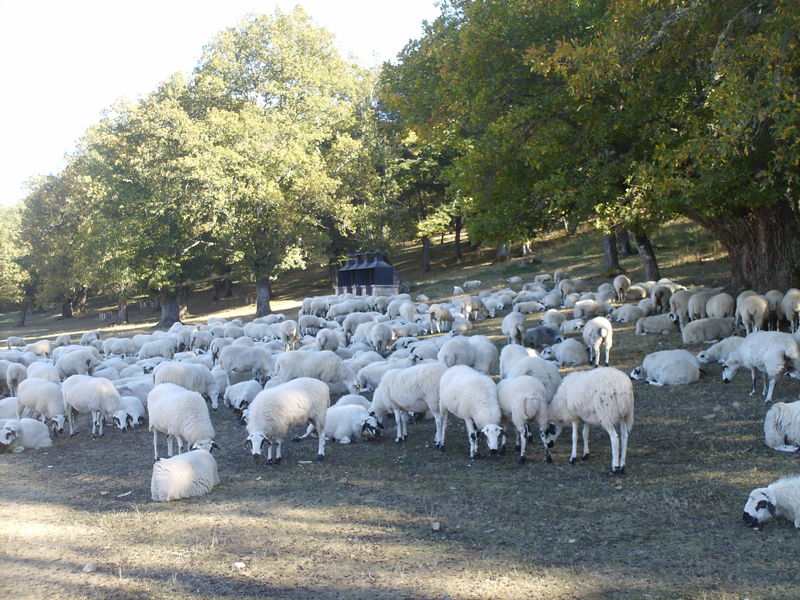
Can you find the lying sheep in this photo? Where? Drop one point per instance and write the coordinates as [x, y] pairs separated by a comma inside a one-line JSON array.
[[627, 313], [782, 427], [553, 318], [720, 351], [44, 400], [569, 353], [572, 325], [274, 410], [523, 400], [780, 498], [182, 415], [513, 326], [635, 293], [765, 351], [21, 434], [471, 396], [348, 423], [604, 397], [668, 367], [98, 396], [655, 324], [586, 309], [528, 308], [185, 476], [598, 334], [707, 330]]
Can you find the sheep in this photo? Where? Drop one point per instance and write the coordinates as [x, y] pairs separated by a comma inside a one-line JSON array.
[[194, 377], [707, 330], [456, 351], [751, 313], [541, 336], [782, 427], [569, 353], [720, 351], [130, 415], [790, 307], [522, 400], [356, 399], [510, 354], [79, 362], [660, 296], [416, 390], [369, 377], [135, 386], [780, 498], [43, 399], [185, 476], [181, 414], [553, 318], [200, 340], [765, 351], [535, 366], [441, 318], [720, 305], [471, 396], [572, 325], [571, 286], [697, 305], [348, 423], [120, 346], [310, 324], [636, 293], [621, 286], [380, 336], [83, 393], [679, 306], [668, 367], [243, 363], [16, 373], [19, 434], [8, 408], [598, 334], [460, 326], [40, 348], [323, 365], [655, 324], [162, 347], [239, 395], [273, 411], [326, 339], [472, 284], [604, 397], [627, 313], [14, 341], [485, 354], [513, 325], [528, 308]]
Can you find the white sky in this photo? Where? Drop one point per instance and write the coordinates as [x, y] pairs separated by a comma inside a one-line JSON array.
[[65, 61]]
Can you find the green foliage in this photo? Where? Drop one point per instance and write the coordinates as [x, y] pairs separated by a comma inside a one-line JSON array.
[[12, 276]]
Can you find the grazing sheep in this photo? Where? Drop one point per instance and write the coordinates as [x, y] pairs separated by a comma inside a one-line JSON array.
[[162, 347], [553, 318], [16, 373], [660, 296], [751, 312], [130, 415], [598, 334], [380, 337], [668, 367], [472, 284], [541, 336], [511, 353], [185, 476], [655, 324], [460, 326], [45, 400], [537, 367], [604, 397], [119, 346], [485, 354], [239, 395], [194, 377], [246, 362], [765, 351], [569, 353], [83, 393], [780, 498], [513, 326], [471, 396], [326, 339], [571, 286], [572, 325], [636, 293], [19, 434], [289, 334], [456, 351], [621, 286], [323, 365], [441, 318], [697, 305], [782, 427], [14, 341], [79, 362], [348, 423], [707, 330], [627, 313], [274, 410], [720, 305], [522, 400], [790, 307], [40, 348], [720, 351], [369, 377], [182, 415]]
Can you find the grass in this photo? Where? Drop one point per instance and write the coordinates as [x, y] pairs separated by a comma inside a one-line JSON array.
[[359, 526]]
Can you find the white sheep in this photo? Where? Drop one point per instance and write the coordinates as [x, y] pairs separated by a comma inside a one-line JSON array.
[[720, 305], [14, 341], [720, 351], [327, 339], [456, 351], [553, 318], [585, 309], [194, 377], [16, 373], [323, 365], [569, 353], [697, 304], [523, 400], [471, 396], [511, 353], [661, 323], [44, 400], [239, 395], [369, 377], [98, 396], [571, 286], [188, 475], [79, 362], [130, 415], [535, 366], [513, 326], [782, 427], [19, 434], [348, 423], [627, 313], [162, 347], [708, 330], [780, 498], [274, 410], [751, 312], [289, 334], [635, 293], [621, 286], [182, 415], [89, 337], [380, 337], [485, 355], [668, 367], [790, 307], [472, 284], [119, 346], [598, 334], [764, 351], [138, 386], [530, 307], [604, 397], [40, 348], [572, 325], [246, 362]]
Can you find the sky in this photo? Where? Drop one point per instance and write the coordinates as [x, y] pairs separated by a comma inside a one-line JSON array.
[[65, 61]]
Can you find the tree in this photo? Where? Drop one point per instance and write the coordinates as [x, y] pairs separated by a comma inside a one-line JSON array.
[[12, 276]]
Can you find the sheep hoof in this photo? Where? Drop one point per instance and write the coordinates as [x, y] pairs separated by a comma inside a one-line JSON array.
[[573, 461], [522, 460], [441, 448], [517, 448], [618, 471], [320, 457], [502, 451], [277, 461], [548, 458], [296, 438], [585, 456]]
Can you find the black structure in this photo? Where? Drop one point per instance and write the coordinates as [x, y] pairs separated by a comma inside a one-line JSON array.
[[368, 274]]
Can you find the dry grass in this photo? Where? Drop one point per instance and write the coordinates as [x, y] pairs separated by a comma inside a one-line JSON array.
[[359, 525]]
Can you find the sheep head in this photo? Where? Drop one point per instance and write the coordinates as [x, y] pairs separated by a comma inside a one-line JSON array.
[[255, 443], [57, 423], [760, 507], [8, 434], [492, 434]]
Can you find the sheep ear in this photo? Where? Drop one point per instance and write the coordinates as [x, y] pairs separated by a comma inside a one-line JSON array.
[[129, 420], [248, 445], [215, 445], [771, 508]]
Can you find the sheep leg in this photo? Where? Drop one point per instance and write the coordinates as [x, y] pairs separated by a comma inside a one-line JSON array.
[[623, 450], [522, 441], [437, 439], [614, 437], [472, 434], [574, 454], [278, 445], [444, 430], [753, 379], [155, 444], [543, 437], [321, 448], [772, 380], [585, 435], [399, 415], [607, 351], [169, 445]]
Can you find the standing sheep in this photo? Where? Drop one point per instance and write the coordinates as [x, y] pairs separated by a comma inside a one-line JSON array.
[[621, 286], [720, 305], [765, 351], [790, 307], [43, 399], [601, 397], [185, 476], [513, 325], [182, 415], [456, 351], [194, 377], [522, 400], [83, 393], [751, 312], [598, 334]]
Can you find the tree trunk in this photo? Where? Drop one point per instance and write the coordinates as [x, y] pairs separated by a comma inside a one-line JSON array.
[[527, 249], [611, 255], [182, 297], [503, 253], [263, 297], [122, 310], [333, 274], [649, 263], [426, 253], [459, 225], [170, 311], [23, 314], [763, 246], [66, 308], [227, 285], [624, 242], [215, 290]]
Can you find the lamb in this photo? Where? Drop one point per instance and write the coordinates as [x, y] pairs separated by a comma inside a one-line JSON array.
[[541, 336], [569, 353], [471, 396], [621, 286], [720, 305], [782, 427], [627, 313], [513, 326], [765, 351], [751, 312], [323, 365], [162, 347], [572, 325], [537, 367], [604, 397], [43, 399], [16, 373], [522, 400], [668, 367], [194, 377], [780, 498], [181, 414], [97, 395], [20, 434], [485, 354], [655, 324], [239, 395], [130, 415], [598, 334], [274, 410], [790, 307], [720, 351], [185, 476], [707, 330]]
